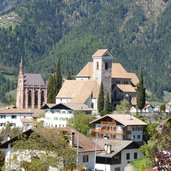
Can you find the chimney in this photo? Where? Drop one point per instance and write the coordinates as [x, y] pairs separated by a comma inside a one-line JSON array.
[[72, 139], [109, 149], [130, 117], [105, 147], [8, 138]]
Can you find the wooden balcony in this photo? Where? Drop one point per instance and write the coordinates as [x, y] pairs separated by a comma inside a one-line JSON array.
[[105, 131], [108, 123]]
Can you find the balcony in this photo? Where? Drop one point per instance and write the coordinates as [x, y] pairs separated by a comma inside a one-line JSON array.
[[105, 131], [108, 123]]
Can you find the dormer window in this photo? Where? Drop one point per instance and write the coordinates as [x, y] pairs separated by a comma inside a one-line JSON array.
[[97, 66], [106, 66]]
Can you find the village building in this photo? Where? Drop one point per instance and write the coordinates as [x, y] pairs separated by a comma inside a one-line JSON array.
[[118, 127], [117, 82], [31, 90], [21, 118], [58, 115], [117, 154]]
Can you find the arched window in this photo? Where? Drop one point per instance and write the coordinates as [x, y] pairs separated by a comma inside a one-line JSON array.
[[29, 99], [106, 66], [36, 99], [97, 65], [42, 98]]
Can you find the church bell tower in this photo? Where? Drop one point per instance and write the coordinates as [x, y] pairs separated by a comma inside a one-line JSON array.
[[20, 87], [102, 69]]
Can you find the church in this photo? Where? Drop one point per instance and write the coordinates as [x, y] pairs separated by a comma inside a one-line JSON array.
[[31, 90], [117, 82]]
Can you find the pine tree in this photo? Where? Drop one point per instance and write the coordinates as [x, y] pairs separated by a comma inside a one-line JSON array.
[[101, 99], [69, 77], [107, 109], [50, 90], [141, 97], [58, 78]]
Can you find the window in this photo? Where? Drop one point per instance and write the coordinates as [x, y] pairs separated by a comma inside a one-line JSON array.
[[97, 66], [127, 156], [2, 116], [92, 105], [13, 116], [135, 156], [117, 82], [106, 66], [85, 158], [2, 124], [139, 136], [125, 82], [117, 169]]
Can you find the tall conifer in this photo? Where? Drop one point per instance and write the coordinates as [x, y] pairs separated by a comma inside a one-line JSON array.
[[50, 90], [107, 109], [58, 78], [141, 97], [101, 99]]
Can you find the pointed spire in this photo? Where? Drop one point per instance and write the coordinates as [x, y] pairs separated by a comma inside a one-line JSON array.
[[21, 66]]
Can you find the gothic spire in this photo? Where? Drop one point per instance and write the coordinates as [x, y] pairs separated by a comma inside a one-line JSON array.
[[21, 66]]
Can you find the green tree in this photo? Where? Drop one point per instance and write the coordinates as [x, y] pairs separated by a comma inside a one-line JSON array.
[[141, 96], [101, 99], [58, 78], [50, 90], [52, 149], [107, 108], [123, 107], [162, 108], [69, 76], [81, 122]]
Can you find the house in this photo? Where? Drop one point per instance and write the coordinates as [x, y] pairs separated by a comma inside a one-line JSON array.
[[117, 154], [57, 115], [84, 147], [168, 107], [117, 82], [118, 126], [22, 118], [148, 109]]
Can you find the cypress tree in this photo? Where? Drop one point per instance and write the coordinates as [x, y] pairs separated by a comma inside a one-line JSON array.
[[107, 109], [69, 77], [101, 99], [50, 90], [141, 97], [58, 78]]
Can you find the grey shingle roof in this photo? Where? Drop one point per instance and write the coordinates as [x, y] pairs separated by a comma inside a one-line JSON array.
[[34, 80]]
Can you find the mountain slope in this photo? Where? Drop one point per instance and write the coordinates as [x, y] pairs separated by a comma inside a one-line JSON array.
[[137, 32]]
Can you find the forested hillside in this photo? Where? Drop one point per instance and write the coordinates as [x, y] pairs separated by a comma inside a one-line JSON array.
[[137, 32]]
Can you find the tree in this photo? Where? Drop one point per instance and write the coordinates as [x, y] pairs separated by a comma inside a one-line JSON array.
[[50, 90], [69, 76], [123, 107], [58, 78], [101, 99], [141, 97], [81, 122], [47, 147], [107, 108], [9, 131]]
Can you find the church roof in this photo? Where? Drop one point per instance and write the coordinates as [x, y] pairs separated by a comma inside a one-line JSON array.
[[126, 88], [134, 78], [79, 90], [118, 71], [34, 80], [100, 53]]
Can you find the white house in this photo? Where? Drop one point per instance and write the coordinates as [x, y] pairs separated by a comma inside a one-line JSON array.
[[57, 115], [16, 118], [148, 109], [85, 148], [117, 154]]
